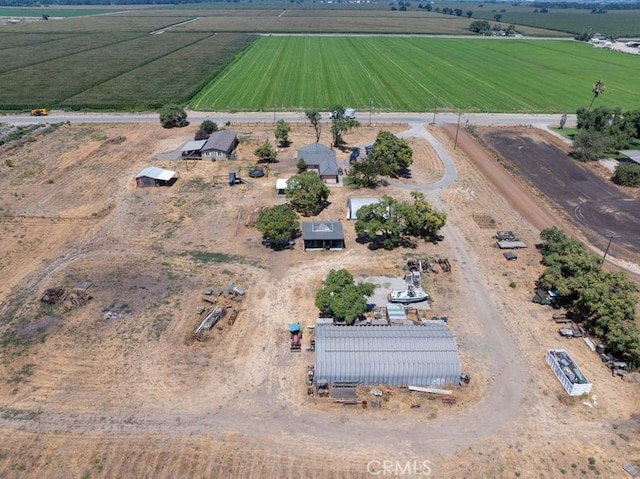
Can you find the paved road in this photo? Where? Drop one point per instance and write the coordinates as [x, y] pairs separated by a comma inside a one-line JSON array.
[[197, 116]]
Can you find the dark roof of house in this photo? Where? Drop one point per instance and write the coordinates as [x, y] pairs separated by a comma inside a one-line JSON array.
[[321, 156], [222, 140], [322, 230]]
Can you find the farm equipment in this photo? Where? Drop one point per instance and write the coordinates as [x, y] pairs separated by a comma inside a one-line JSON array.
[[39, 112], [444, 264], [310, 375], [295, 334]]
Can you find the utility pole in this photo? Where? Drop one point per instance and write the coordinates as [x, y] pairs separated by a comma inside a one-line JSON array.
[[370, 109], [435, 109], [606, 251], [455, 143]]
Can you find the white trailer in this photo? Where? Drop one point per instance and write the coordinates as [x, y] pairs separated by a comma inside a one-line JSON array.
[[567, 372]]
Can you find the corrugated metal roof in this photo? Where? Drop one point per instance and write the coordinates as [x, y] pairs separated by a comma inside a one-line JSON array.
[[281, 183], [633, 155], [396, 313], [322, 230], [354, 204], [156, 173], [194, 145], [424, 355]]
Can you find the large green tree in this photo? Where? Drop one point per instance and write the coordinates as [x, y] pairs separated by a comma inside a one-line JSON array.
[[307, 193], [282, 132], [380, 223], [364, 173], [266, 152], [421, 220], [391, 154], [480, 26], [604, 302], [340, 125], [208, 126], [173, 116], [341, 298], [278, 224]]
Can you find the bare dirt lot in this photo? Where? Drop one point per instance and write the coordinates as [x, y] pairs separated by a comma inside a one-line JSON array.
[[595, 205], [95, 395]]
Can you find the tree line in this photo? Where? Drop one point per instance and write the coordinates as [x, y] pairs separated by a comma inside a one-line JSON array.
[[604, 302]]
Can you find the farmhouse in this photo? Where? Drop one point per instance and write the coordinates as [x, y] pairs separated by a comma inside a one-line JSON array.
[[354, 204], [154, 176], [220, 144], [322, 160], [397, 355], [322, 235]]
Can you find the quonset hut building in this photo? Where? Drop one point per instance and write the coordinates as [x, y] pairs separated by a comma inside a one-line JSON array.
[[418, 355]]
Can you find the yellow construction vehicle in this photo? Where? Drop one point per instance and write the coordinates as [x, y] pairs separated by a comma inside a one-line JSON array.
[[39, 112]]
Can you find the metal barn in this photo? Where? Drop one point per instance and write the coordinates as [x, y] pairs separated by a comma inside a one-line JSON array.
[[154, 176], [424, 355], [354, 204]]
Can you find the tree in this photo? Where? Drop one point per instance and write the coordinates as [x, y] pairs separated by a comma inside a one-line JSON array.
[[589, 145], [301, 165], [314, 118], [597, 90], [380, 223], [200, 135], [341, 125], [497, 17], [458, 12], [627, 174], [420, 219], [469, 13], [306, 192], [173, 116], [266, 152], [480, 26], [364, 173], [278, 224], [209, 126], [391, 154], [282, 132], [341, 298], [563, 120]]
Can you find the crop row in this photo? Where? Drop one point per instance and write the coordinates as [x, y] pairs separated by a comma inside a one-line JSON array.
[[409, 73]]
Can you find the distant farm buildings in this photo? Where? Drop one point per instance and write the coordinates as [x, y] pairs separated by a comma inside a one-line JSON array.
[[418, 355], [154, 176]]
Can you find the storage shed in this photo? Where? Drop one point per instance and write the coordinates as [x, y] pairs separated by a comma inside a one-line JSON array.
[[281, 185], [354, 204], [424, 355], [322, 235], [154, 176], [567, 372]]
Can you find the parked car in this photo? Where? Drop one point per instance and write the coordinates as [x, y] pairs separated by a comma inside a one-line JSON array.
[[368, 148]]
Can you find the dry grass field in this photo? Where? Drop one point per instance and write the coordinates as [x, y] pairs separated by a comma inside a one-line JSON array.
[[130, 396]]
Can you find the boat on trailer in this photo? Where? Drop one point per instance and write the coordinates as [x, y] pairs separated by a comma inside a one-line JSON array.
[[409, 295]]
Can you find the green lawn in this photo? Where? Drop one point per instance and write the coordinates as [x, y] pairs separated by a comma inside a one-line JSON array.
[[407, 74]]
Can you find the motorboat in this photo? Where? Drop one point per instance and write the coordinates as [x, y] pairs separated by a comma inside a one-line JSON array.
[[409, 295]]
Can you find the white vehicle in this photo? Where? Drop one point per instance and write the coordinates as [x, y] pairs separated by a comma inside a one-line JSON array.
[[409, 295]]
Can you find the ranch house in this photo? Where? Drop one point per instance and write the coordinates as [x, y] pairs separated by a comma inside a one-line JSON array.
[[322, 160], [220, 145], [322, 235]]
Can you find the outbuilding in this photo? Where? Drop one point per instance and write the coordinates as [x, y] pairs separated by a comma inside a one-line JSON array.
[[154, 176], [354, 204], [220, 145], [418, 355], [191, 150], [322, 235], [633, 155], [568, 372], [322, 160], [281, 185]]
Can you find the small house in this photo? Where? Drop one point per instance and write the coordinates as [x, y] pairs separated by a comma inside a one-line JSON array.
[[322, 160], [220, 145], [354, 204], [322, 235], [154, 176]]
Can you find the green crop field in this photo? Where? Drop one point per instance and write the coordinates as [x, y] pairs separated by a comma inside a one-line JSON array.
[[116, 70], [407, 74]]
